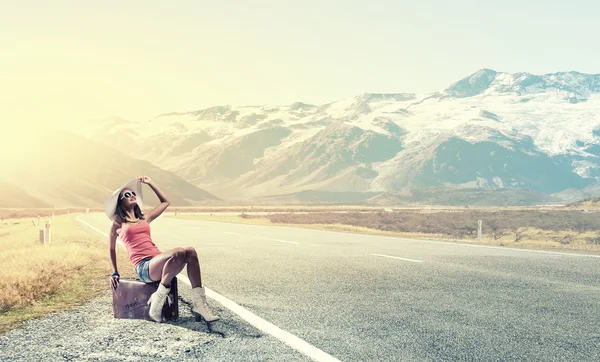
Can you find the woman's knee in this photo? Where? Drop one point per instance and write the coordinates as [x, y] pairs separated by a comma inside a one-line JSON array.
[[179, 255], [190, 253]]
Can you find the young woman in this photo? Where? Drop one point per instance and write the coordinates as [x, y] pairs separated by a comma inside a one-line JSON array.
[[151, 265]]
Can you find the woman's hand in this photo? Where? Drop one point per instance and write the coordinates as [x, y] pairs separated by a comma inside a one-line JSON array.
[[114, 280], [144, 179]]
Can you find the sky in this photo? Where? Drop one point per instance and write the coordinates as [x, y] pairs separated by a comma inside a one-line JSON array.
[[67, 61]]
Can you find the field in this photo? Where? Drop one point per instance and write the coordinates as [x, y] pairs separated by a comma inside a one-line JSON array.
[[37, 279]]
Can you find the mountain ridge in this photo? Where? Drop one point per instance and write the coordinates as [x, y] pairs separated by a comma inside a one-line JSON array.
[[539, 131]]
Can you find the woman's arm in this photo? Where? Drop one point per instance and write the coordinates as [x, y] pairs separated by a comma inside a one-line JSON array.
[[113, 254], [164, 202]]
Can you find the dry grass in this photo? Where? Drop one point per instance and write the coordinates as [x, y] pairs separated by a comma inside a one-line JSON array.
[[36, 279], [10, 215]]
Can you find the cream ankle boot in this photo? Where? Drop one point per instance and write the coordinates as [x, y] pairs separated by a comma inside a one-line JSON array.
[[156, 303], [200, 307]]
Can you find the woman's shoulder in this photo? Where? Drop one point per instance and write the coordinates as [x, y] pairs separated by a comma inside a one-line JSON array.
[[116, 224]]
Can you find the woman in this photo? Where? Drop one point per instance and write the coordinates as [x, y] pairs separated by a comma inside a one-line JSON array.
[[151, 265]]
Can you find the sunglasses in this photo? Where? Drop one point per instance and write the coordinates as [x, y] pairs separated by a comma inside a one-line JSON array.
[[128, 194]]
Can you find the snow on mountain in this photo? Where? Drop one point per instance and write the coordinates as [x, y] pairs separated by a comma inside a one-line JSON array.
[[385, 142]]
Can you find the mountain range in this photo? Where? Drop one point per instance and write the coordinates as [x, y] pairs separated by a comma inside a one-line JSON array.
[[488, 131], [490, 138]]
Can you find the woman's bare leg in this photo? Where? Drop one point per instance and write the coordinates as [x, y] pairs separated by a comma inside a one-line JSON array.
[[200, 308], [165, 266], [193, 267]]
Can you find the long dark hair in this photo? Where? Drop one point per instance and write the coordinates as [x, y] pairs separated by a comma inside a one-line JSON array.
[[120, 213]]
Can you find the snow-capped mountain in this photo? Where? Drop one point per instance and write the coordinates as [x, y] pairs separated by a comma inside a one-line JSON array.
[[488, 130]]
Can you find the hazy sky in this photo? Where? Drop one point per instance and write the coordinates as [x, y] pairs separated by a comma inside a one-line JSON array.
[[71, 60]]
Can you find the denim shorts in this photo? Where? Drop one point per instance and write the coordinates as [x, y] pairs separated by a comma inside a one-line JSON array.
[[143, 270]]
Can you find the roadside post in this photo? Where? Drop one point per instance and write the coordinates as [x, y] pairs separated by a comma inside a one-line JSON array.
[[479, 222], [47, 233]]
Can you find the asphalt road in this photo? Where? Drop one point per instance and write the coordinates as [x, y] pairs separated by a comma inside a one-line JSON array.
[[413, 300]]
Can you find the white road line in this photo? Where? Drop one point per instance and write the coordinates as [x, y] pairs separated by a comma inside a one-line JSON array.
[[285, 241], [98, 230], [268, 327], [229, 232], [511, 249], [286, 337], [395, 257]]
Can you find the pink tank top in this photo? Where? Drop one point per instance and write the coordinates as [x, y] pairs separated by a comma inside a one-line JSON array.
[[138, 242]]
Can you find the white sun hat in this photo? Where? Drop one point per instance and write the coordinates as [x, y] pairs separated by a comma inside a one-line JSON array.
[[134, 185]]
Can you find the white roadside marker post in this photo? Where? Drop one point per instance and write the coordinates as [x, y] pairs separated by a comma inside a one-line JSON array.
[[479, 222], [47, 236]]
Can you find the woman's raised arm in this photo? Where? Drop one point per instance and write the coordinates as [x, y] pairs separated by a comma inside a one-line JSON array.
[[164, 202]]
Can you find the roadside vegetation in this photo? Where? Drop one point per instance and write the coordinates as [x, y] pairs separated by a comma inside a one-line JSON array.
[[37, 279]]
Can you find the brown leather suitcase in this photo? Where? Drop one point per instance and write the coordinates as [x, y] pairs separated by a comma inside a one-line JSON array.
[[131, 297]]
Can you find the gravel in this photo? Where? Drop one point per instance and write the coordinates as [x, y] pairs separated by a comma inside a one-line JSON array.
[[91, 333]]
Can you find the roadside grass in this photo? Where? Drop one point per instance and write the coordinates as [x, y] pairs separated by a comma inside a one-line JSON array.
[[37, 279], [566, 239], [11, 214]]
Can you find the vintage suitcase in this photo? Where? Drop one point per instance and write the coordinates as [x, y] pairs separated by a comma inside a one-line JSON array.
[[131, 296]]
